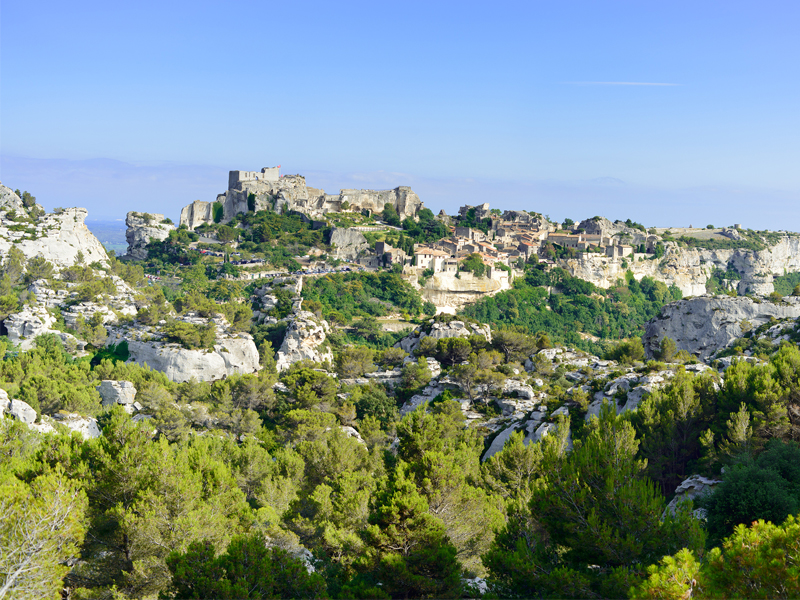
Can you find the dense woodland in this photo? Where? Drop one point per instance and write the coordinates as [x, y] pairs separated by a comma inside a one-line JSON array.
[[241, 488]]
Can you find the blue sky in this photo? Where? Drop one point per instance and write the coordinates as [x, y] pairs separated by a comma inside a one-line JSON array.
[[147, 105]]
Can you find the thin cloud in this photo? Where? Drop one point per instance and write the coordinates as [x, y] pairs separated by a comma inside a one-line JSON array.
[[620, 83]]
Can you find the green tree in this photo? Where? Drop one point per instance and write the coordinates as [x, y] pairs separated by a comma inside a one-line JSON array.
[[408, 549], [754, 562], [218, 211], [474, 264], [390, 215], [354, 361], [667, 349], [416, 375], [247, 569], [42, 525], [765, 488]]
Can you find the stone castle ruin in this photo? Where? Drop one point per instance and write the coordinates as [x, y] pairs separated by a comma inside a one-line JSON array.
[[265, 174], [250, 191]]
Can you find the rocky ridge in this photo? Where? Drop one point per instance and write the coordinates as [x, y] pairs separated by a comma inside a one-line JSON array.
[[304, 340], [690, 269], [58, 237]]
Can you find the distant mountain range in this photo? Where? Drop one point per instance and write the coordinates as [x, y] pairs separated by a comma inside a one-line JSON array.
[[111, 234]]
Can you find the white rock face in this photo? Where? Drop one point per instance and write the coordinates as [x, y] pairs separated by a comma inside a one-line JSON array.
[[22, 411], [693, 487], [24, 326], [347, 243], [690, 269], [117, 392], [450, 293], [303, 339], [86, 426], [444, 330], [230, 355], [142, 231], [57, 236], [702, 326]]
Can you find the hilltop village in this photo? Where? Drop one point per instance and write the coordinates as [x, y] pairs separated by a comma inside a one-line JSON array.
[[457, 259]]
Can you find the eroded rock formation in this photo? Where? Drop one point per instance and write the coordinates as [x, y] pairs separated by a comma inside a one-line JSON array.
[[143, 228], [702, 326], [304, 340], [59, 236]]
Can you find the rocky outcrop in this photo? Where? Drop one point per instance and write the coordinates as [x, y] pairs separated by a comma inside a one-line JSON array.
[[22, 411], [304, 340], [231, 352], [57, 237], [25, 326], [347, 243], [86, 426], [290, 192], [450, 293], [690, 269], [229, 356], [142, 229], [443, 330], [691, 488], [702, 326]]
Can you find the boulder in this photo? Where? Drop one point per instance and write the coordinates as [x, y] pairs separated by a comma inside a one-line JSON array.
[[86, 426], [499, 441], [352, 432], [22, 411], [117, 392], [702, 326], [693, 487]]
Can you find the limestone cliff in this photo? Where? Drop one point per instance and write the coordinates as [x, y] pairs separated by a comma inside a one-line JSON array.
[[292, 193], [702, 326], [690, 269], [58, 236], [143, 228], [450, 293], [347, 243]]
